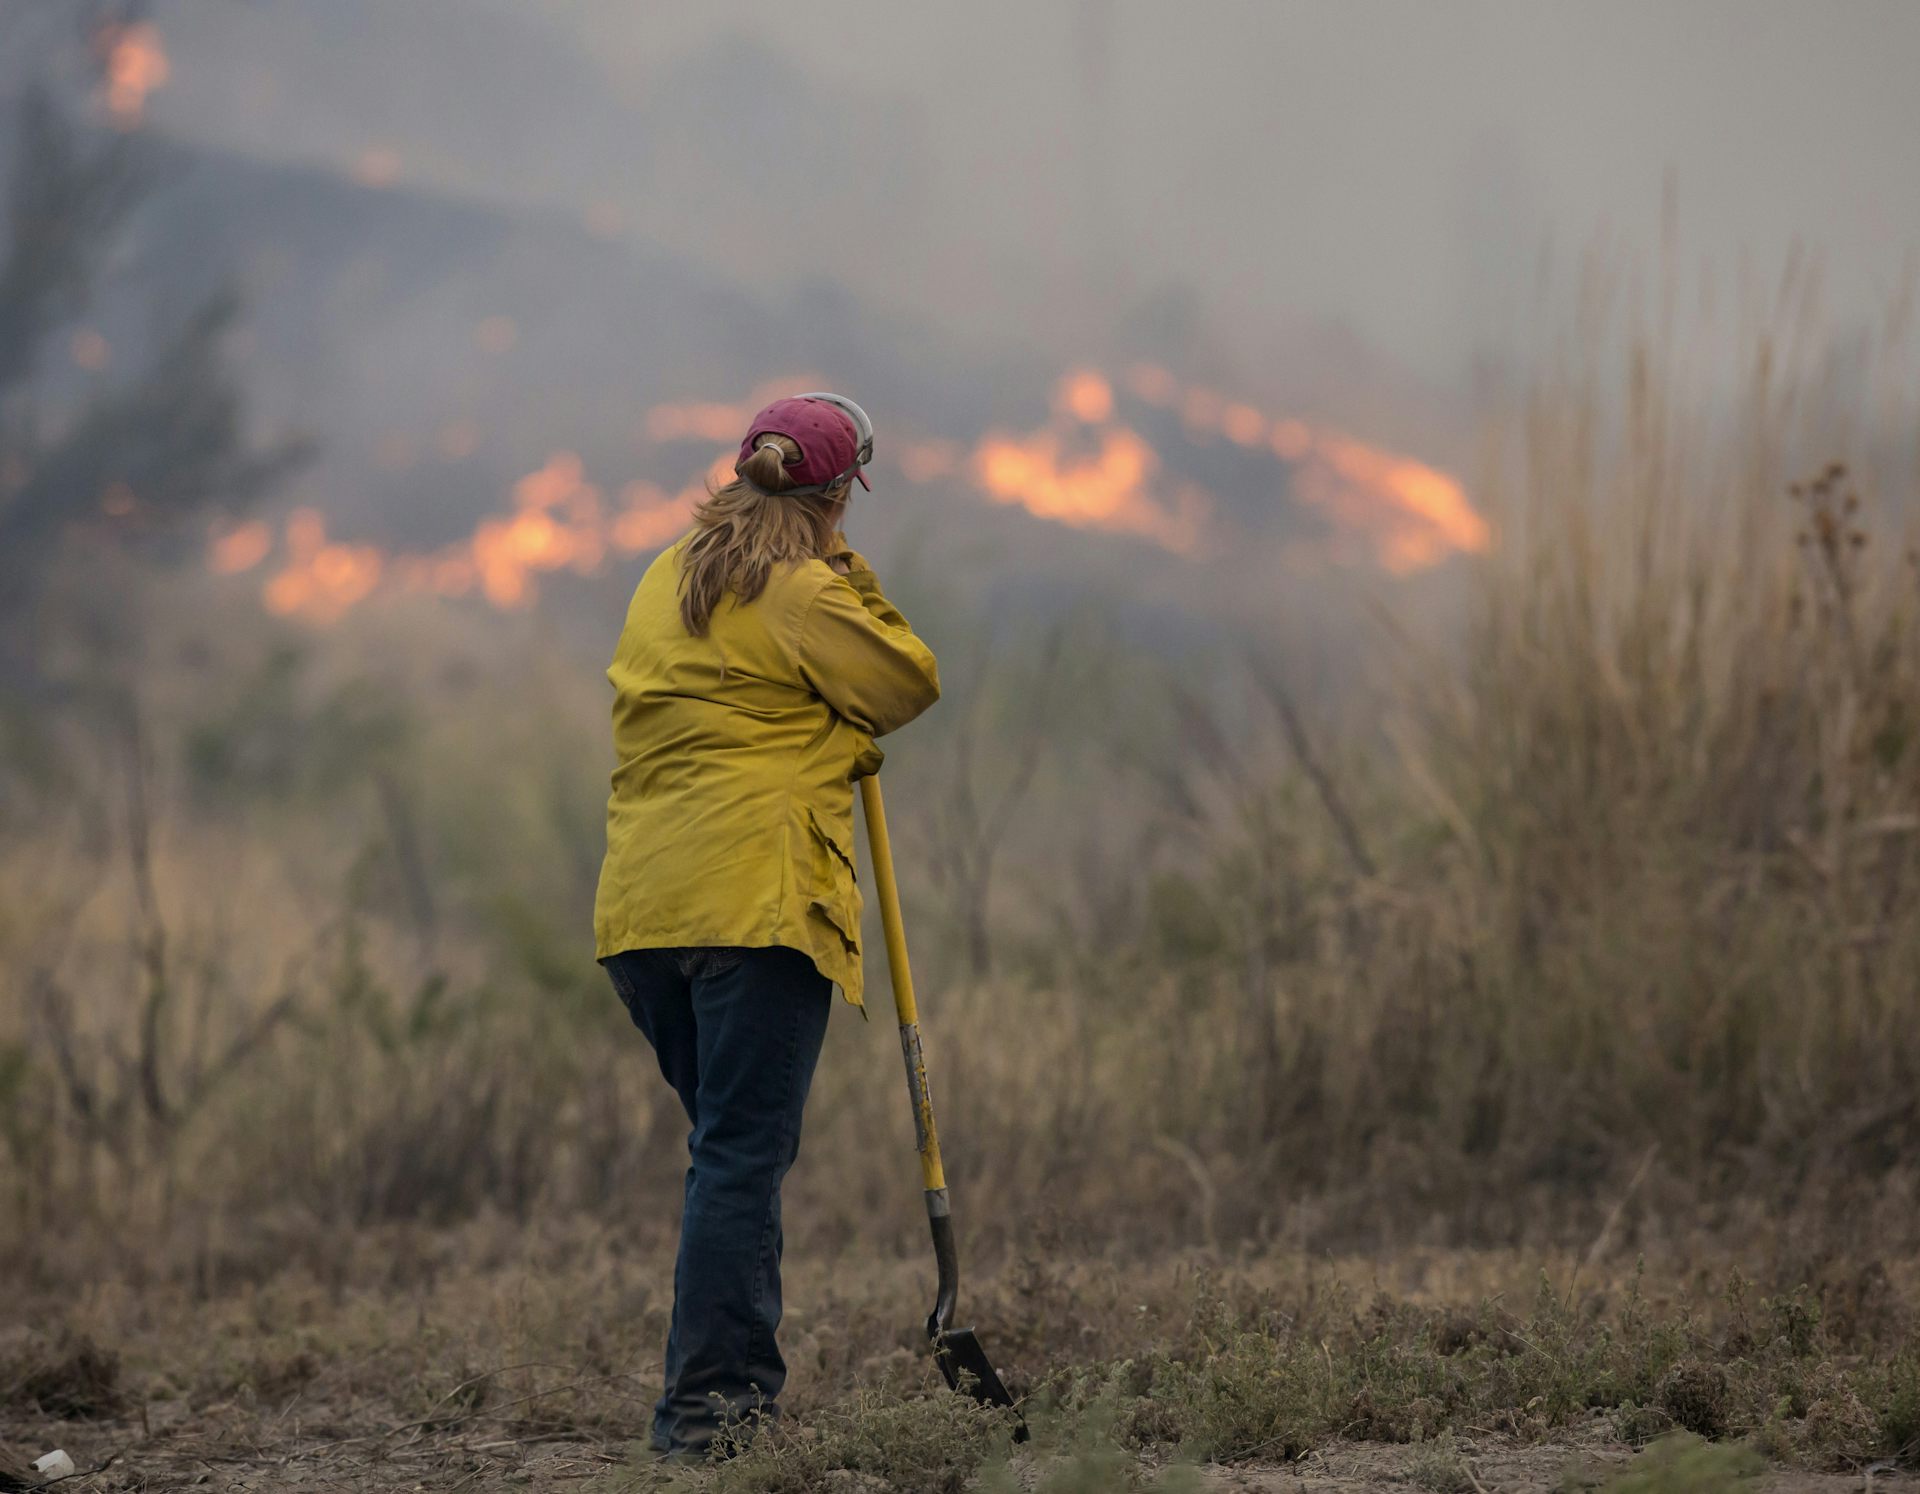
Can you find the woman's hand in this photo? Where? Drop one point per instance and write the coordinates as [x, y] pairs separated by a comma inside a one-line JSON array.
[[840, 557]]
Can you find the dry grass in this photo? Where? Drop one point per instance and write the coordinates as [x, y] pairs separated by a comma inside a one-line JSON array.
[[490, 1350]]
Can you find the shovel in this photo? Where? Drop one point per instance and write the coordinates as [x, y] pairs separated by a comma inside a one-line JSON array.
[[957, 1351]]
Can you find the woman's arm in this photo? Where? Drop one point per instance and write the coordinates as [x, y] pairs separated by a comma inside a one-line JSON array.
[[861, 656]]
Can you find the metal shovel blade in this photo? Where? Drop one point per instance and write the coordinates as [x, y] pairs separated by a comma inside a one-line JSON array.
[[966, 1367]]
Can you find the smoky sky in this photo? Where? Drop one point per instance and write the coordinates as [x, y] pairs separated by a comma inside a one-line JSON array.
[[1005, 168]]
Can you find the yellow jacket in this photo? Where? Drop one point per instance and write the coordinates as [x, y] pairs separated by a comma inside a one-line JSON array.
[[731, 817]]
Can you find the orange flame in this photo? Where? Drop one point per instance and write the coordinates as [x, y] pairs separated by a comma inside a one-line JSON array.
[[1415, 515], [559, 521], [556, 525], [1086, 396], [1106, 489], [651, 517], [322, 580], [1085, 468], [134, 65], [239, 548], [1406, 515]]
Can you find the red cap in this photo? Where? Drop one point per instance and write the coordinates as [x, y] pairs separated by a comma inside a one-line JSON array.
[[828, 440]]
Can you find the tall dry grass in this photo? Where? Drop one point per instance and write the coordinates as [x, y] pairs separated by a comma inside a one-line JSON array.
[[1611, 917]]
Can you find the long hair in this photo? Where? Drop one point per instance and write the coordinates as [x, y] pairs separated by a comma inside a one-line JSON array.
[[743, 530]]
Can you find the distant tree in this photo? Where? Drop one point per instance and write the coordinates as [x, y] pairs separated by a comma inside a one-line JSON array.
[[134, 459]]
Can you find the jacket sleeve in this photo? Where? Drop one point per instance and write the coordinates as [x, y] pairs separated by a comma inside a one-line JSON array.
[[860, 655]]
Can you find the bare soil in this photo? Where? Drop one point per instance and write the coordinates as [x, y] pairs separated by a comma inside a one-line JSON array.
[[1374, 1468], [224, 1453]]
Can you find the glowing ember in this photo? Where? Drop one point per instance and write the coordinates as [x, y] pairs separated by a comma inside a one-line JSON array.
[[135, 64]]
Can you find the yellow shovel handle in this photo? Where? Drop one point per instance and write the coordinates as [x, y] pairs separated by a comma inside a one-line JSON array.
[[932, 1176]]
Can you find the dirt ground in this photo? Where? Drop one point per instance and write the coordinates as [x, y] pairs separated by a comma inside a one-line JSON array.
[[477, 1361], [1370, 1468], [308, 1447], [197, 1452]]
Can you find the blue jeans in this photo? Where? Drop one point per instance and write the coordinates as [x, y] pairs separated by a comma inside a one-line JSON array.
[[737, 1033]]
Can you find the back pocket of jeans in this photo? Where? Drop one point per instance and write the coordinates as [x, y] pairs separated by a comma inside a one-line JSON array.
[[711, 960]]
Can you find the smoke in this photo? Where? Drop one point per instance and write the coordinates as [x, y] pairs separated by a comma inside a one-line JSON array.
[[487, 240], [1020, 170]]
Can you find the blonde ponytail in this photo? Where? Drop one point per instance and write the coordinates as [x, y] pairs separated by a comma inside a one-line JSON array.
[[743, 530], [766, 469]]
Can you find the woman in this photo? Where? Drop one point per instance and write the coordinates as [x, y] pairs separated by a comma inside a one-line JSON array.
[[758, 663]]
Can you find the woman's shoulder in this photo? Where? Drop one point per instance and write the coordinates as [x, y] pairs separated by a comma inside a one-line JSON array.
[[797, 583]]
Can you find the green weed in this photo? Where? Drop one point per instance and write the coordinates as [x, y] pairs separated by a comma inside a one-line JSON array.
[[931, 1442], [1679, 1463]]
